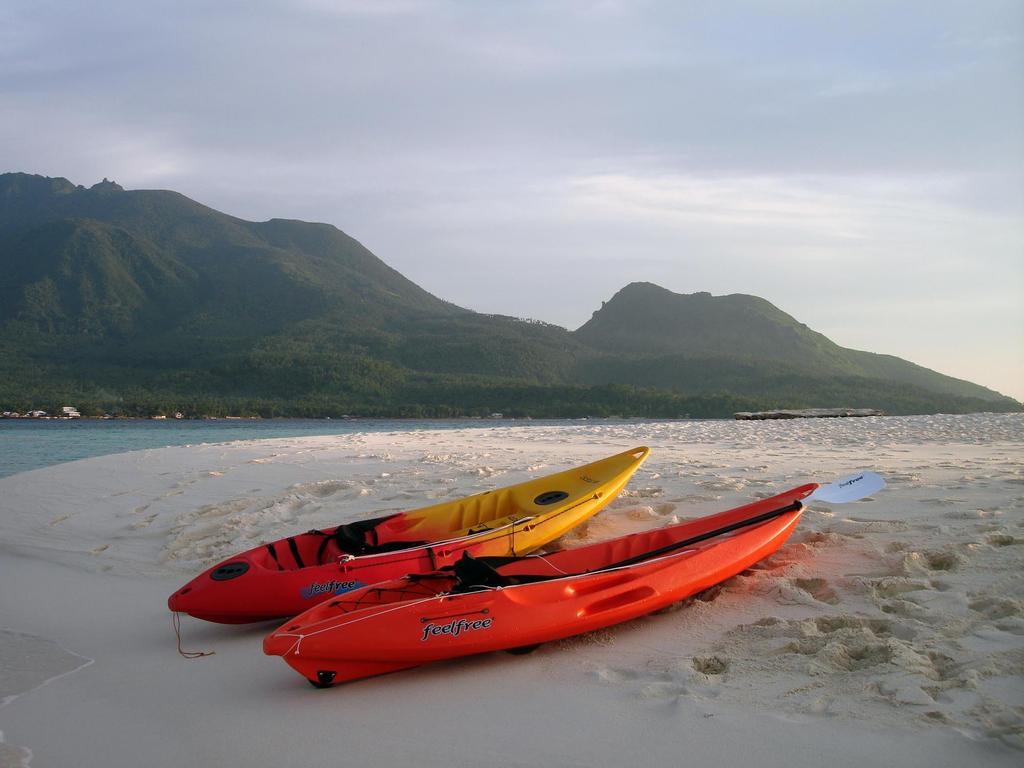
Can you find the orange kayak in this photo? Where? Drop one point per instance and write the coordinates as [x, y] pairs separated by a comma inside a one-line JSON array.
[[290, 575], [515, 603]]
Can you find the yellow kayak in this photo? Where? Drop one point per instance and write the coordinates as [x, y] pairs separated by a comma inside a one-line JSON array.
[[287, 576]]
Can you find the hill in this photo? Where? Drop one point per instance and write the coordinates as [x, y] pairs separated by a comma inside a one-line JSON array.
[[144, 301], [699, 342]]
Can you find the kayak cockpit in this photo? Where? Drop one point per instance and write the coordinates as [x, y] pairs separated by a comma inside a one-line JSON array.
[[316, 547]]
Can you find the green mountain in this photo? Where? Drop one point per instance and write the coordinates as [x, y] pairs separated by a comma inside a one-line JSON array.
[[143, 301], [699, 342]]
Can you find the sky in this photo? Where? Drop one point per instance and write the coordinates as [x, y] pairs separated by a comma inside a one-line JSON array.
[[860, 165]]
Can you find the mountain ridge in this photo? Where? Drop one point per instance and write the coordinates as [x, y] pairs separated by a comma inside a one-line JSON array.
[[647, 320], [135, 298]]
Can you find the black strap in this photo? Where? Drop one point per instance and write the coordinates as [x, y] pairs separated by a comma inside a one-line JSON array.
[[323, 544], [496, 561], [273, 554], [295, 552], [472, 573]]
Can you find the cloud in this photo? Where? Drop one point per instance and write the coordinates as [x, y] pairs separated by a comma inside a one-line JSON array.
[[477, 146], [739, 201], [825, 209], [366, 7]]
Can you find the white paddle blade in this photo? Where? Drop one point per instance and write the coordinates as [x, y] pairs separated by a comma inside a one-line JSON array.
[[849, 488]]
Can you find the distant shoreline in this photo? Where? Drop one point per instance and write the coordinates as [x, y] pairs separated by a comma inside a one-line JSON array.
[[338, 418], [783, 414]]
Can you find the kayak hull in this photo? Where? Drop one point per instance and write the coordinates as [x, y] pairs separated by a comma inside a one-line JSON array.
[[290, 575], [408, 622]]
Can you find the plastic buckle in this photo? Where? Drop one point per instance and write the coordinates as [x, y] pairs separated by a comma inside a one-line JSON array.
[[344, 560]]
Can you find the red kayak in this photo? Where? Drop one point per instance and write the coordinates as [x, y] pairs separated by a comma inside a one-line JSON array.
[[290, 575], [485, 604]]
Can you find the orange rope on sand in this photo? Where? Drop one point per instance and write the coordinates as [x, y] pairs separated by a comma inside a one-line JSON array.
[[176, 620]]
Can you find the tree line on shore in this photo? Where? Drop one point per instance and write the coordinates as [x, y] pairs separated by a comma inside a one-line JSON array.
[[454, 399]]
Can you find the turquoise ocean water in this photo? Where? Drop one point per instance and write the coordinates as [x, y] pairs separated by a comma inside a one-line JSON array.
[[30, 444]]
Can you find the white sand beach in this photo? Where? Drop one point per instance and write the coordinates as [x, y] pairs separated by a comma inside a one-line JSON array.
[[886, 632]]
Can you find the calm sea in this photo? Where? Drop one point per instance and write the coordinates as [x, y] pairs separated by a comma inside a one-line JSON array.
[[30, 444]]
